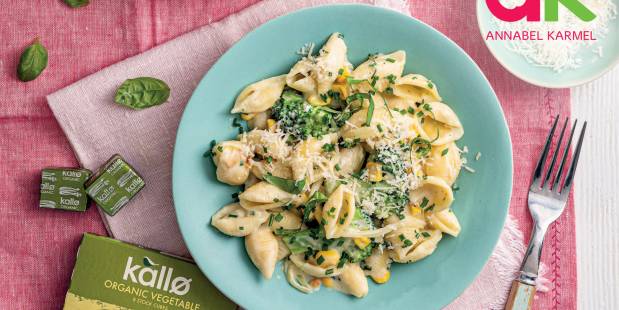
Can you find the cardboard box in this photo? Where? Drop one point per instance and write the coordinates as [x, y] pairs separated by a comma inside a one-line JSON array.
[[110, 274]]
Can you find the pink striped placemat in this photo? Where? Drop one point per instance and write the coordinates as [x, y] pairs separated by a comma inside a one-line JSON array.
[[38, 246]]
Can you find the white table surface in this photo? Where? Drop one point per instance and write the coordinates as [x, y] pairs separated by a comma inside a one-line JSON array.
[[596, 193]]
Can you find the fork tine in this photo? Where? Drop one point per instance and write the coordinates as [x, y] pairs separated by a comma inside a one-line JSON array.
[[564, 159], [554, 157], [570, 174], [539, 168]]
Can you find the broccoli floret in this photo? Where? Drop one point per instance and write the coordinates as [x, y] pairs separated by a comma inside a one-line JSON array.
[[300, 119]]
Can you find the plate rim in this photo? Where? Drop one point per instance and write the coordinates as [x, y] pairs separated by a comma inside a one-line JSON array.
[[504, 210], [532, 81]]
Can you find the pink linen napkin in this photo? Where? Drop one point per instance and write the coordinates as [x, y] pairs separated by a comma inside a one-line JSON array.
[[96, 129]]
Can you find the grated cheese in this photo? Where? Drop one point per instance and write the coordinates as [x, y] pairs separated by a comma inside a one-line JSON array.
[[560, 55]]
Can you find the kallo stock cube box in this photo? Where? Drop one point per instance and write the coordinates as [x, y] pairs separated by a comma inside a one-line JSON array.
[[110, 274]]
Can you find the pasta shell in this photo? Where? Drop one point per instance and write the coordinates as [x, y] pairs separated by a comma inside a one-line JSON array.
[[285, 220], [436, 191], [264, 196], [378, 263], [299, 279], [410, 244], [381, 66], [260, 96], [313, 270], [399, 103], [306, 154], [444, 162], [416, 88], [445, 221], [332, 57], [232, 161], [261, 247], [353, 281], [351, 159], [442, 121], [300, 77], [356, 128], [282, 249], [232, 217], [313, 76], [338, 212]]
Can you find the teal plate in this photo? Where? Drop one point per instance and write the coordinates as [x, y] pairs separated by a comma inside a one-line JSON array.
[[481, 203], [591, 68]]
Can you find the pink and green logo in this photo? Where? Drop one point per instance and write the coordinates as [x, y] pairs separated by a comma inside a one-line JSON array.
[[531, 9]]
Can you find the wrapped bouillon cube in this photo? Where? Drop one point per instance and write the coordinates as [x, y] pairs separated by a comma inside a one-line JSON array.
[[114, 184], [63, 188]]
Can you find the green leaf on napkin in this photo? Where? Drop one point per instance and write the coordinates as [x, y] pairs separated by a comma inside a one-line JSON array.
[[32, 61], [142, 92], [76, 3]]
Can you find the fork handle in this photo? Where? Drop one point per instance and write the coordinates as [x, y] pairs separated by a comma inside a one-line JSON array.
[[520, 296], [530, 264]]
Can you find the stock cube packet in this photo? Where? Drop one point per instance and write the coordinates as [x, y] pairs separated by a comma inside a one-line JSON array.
[[111, 274], [63, 188]]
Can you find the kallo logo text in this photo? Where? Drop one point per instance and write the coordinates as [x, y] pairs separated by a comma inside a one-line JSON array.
[[161, 278]]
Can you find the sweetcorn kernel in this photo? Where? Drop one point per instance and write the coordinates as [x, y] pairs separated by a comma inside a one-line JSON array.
[[362, 242], [247, 117], [327, 282], [340, 88], [415, 209], [271, 124], [383, 278], [375, 171], [341, 78], [329, 258]]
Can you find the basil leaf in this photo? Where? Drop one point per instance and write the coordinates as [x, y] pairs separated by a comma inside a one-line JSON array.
[[76, 3], [368, 119], [142, 92], [310, 205], [32, 62], [291, 186]]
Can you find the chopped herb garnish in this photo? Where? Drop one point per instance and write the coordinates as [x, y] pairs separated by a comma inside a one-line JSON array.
[[232, 215], [328, 271], [391, 60], [410, 110], [444, 152], [379, 127], [425, 234], [337, 167], [320, 260], [329, 147], [269, 159], [424, 203], [368, 119], [279, 217], [290, 186], [241, 228], [352, 80], [430, 85]]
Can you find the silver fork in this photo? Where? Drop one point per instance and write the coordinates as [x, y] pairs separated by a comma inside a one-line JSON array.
[[547, 200]]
